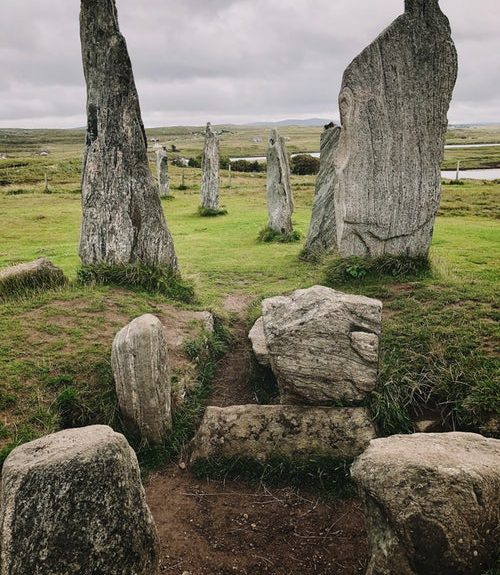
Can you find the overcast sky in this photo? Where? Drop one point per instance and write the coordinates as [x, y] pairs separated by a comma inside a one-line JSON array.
[[227, 60]]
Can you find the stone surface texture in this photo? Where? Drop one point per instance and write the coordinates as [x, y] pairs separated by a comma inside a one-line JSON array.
[[432, 503], [259, 345], [141, 370], [162, 171], [323, 345], [123, 220], [72, 503], [210, 171], [263, 432], [279, 191], [322, 235], [38, 273], [393, 103]]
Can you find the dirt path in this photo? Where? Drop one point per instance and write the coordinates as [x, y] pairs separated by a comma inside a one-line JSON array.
[[232, 527]]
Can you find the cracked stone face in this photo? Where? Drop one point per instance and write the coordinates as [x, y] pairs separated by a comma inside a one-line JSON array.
[[123, 219], [431, 503], [210, 171], [279, 192], [393, 103], [323, 345]]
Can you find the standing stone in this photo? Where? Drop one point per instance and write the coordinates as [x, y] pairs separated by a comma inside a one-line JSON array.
[[431, 502], [72, 503], [141, 370], [393, 106], [322, 236], [210, 171], [279, 192], [323, 345], [123, 220], [162, 170], [259, 345]]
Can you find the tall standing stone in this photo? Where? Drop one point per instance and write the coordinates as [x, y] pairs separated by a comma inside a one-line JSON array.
[[210, 171], [322, 236], [73, 503], [279, 192], [141, 370], [393, 105], [123, 220], [162, 171]]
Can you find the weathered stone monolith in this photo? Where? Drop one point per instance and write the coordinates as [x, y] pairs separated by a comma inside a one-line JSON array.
[[123, 220], [73, 503], [141, 370], [279, 192], [323, 345], [210, 171], [162, 171], [393, 106], [432, 503], [322, 236]]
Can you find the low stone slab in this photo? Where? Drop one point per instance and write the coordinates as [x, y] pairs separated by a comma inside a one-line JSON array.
[[323, 345], [142, 376], [263, 432], [73, 503], [40, 273], [259, 345], [432, 503]]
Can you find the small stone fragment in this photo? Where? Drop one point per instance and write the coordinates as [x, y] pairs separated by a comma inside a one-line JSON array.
[[141, 370], [431, 502], [259, 346], [73, 503], [323, 345], [263, 432], [279, 192]]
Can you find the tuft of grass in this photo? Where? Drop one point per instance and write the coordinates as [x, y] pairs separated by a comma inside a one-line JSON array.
[[148, 278], [210, 212], [331, 476], [358, 268], [267, 235]]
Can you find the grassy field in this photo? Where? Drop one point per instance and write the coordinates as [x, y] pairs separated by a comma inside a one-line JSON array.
[[440, 340]]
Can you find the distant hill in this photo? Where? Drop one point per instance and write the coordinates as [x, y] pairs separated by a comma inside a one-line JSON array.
[[312, 122]]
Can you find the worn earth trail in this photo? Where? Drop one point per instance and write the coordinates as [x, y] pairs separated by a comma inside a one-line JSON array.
[[210, 527]]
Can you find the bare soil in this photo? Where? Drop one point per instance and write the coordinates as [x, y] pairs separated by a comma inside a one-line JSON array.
[[234, 527]]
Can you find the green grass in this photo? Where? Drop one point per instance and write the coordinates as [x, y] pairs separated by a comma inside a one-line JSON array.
[[440, 336], [267, 235]]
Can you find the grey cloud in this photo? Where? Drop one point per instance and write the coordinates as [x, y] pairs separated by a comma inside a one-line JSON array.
[[227, 60]]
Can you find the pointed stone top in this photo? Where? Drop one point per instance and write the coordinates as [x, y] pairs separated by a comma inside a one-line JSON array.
[[421, 7], [209, 125], [274, 136]]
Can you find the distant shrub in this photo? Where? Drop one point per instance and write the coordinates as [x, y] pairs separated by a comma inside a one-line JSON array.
[[456, 183], [149, 278], [267, 235], [247, 166], [304, 165], [195, 162], [224, 162]]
